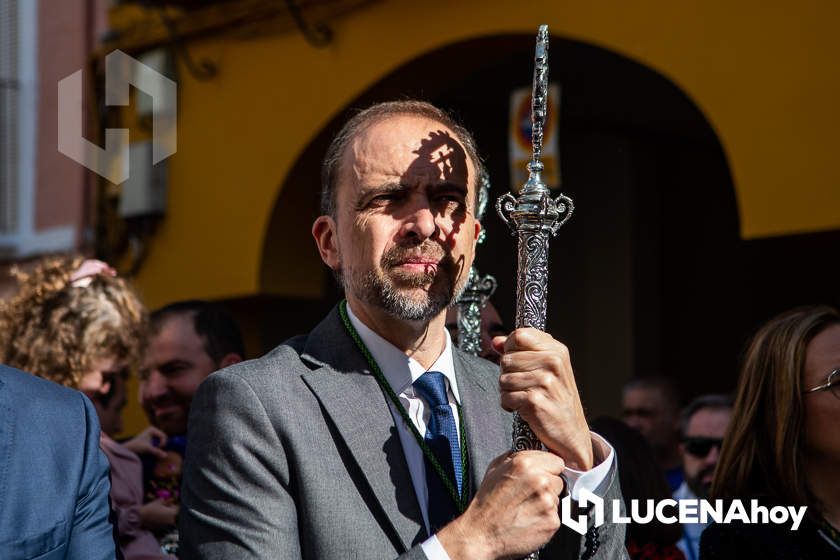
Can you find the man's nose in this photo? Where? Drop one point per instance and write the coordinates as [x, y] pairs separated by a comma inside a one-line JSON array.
[[421, 222], [713, 455], [631, 420], [153, 387]]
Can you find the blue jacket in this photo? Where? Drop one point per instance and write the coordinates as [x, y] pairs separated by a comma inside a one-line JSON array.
[[53, 477]]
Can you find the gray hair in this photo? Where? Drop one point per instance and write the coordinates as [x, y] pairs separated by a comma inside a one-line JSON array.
[[714, 402], [665, 385], [331, 166]]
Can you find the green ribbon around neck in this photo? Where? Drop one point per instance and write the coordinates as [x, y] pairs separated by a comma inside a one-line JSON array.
[[461, 499]]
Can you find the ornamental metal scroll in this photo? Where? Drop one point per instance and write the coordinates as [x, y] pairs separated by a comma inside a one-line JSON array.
[[478, 290]]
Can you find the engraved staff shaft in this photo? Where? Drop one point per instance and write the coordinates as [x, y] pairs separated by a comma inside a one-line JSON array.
[[534, 217]]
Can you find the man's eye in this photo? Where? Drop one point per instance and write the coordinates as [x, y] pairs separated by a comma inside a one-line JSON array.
[[382, 199], [449, 199]]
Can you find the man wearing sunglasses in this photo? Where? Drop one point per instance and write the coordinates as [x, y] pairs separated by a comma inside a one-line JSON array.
[[702, 427]]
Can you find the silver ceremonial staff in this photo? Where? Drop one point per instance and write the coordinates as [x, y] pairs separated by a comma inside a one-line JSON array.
[[478, 289], [533, 217]]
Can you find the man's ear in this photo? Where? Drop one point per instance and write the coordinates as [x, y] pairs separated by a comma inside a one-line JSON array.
[[229, 359], [324, 231], [477, 229]]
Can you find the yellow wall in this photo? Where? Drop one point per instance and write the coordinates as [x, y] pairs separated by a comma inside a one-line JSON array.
[[763, 75]]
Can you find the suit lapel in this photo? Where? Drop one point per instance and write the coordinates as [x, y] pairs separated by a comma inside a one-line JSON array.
[[7, 427], [357, 407], [483, 419]]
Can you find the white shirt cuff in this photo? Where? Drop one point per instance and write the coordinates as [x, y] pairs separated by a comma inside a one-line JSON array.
[[591, 479], [433, 549], [575, 480]]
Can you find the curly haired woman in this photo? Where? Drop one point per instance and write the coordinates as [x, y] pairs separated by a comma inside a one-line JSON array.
[[72, 321]]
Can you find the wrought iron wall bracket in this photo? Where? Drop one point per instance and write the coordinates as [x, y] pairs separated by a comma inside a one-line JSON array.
[[202, 71], [318, 34]]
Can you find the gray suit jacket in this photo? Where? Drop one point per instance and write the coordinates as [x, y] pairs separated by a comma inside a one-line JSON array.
[[295, 455]]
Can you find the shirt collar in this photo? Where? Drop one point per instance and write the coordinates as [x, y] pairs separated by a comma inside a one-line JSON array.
[[401, 371]]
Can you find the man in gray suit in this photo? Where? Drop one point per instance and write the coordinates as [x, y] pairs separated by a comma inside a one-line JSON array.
[[372, 437]]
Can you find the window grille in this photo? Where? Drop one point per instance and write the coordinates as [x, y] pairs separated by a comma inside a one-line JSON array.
[[9, 92]]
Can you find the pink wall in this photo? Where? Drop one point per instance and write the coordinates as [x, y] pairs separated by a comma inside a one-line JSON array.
[[67, 32]]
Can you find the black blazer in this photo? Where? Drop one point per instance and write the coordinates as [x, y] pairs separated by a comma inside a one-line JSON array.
[[767, 542]]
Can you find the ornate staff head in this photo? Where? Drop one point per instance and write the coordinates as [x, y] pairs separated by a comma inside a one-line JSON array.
[[533, 216], [534, 208]]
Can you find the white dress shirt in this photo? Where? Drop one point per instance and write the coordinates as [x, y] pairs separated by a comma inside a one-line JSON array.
[[689, 543], [401, 372]]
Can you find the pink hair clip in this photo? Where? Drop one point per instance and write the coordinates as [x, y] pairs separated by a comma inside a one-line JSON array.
[[88, 269]]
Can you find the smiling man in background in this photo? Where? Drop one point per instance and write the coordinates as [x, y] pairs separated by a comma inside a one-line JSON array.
[[188, 340]]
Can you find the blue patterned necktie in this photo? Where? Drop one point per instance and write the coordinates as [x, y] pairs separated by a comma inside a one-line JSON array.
[[442, 439]]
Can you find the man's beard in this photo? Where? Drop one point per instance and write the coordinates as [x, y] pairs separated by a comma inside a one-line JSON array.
[[696, 485], [387, 287]]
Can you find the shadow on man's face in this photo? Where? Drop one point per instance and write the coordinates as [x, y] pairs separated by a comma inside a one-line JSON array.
[[440, 155], [442, 162]]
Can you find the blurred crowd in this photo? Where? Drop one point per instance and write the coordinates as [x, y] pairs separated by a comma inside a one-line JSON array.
[[75, 323]]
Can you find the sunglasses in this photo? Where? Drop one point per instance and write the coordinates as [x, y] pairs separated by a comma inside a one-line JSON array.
[[700, 446]]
